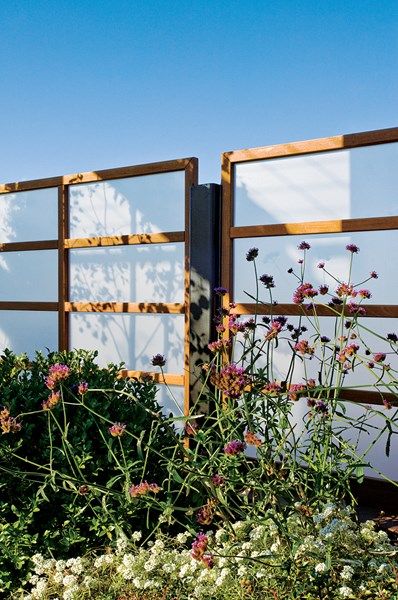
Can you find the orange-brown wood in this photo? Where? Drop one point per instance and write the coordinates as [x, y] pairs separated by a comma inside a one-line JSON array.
[[372, 310], [312, 227], [191, 178], [91, 176], [126, 240], [169, 378], [22, 246], [126, 307], [17, 305], [368, 397], [338, 142], [227, 222]]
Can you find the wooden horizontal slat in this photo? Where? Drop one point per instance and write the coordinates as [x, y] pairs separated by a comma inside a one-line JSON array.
[[372, 310], [92, 176], [368, 396], [125, 307], [312, 227], [6, 305], [22, 246], [169, 378], [126, 240], [339, 142]]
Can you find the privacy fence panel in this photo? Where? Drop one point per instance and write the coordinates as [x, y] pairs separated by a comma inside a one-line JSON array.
[[330, 192], [100, 261]]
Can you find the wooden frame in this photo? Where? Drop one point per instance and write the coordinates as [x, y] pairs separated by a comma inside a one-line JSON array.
[[231, 232], [63, 244]]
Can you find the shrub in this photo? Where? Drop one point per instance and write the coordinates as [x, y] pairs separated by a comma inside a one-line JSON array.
[[75, 438]]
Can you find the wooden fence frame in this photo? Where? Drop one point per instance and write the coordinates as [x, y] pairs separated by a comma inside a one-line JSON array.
[[63, 244], [230, 232]]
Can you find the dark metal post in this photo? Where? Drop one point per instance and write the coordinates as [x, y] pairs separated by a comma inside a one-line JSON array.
[[204, 276]]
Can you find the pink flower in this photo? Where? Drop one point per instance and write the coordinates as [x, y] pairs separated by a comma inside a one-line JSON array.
[[305, 290], [234, 447], [199, 546], [231, 380], [304, 246], [344, 289], [347, 352], [303, 347], [208, 560], [272, 388], [364, 294], [144, 488], [217, 480], [56, 373], [117, 429], [352, 248], [82, 388], [51, 401], [379, 357]]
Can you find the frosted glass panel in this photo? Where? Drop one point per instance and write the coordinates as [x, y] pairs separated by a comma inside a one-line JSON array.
[[147, 204], [278, 254], [172, 403], [130, 338], [147, 273], [361, 182], [24, 331], [30, 276], [29, 216], [361, 376]]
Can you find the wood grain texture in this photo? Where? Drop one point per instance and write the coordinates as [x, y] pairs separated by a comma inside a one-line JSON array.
[[126, 240], [169, 378], [372, 310], [126, 307], [63, 268], [26, 246], [92, 176], [368, 397], [339, 142], [313, 227]]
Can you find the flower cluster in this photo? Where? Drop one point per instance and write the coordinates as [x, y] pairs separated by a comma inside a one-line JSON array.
[[117, 429], [56, 373], [234, 447], [52, 400], [8, 424], [231, 380], [144, 488]]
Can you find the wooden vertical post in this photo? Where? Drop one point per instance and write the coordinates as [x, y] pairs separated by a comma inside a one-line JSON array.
[[63, 267]]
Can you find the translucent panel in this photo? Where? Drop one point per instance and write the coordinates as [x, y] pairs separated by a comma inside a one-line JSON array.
[[147, 204], [24, 331], [147, 273], [278, 254], [361, 182], [130, 338], [171, 399], [30, 276], [29, 216], [361, 378]]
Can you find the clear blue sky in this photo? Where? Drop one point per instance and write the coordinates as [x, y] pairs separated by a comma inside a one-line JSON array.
[[91, 84]]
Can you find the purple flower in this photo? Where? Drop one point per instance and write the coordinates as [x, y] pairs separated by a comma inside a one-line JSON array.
[[82, 388], [234, 447], [290, 270], [325, 339], [323, 290], [321, 265], [392, 337], [374, 275], [352, 248], [158, 360], [267, 280], [217, 480], [221, 291], [251, 254], [304, 246]]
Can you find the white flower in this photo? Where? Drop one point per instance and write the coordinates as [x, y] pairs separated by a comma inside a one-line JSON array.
[[383, 567], [69, 580], [320, 568], [58, 577], [60, 565], [34, 579], [347, 573], [184, 537], [136, 536], [344, 591], [70, 592]]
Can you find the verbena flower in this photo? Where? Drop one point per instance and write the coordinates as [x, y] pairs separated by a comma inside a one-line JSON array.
[[217, 480], [374, 275], [352, 248], [392, 337], [251, 254], [205, 514], [158, 360], [304, 246], [117, 429], [252, 439], [56, 373], [305, 290], [82, 388], [231, 380], [379, 357], [220, 291], [51, 401], [267, 280], [234, 447], [144, 488], [199, 546], [303, 347], [8, 424]]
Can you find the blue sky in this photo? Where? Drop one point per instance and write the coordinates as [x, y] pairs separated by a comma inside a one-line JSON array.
[[92, 84]]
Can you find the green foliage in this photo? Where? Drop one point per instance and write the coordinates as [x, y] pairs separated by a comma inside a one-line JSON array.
[[64, 478]]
